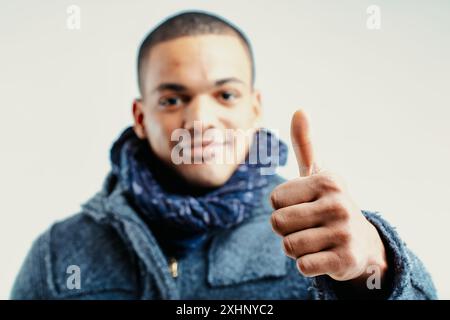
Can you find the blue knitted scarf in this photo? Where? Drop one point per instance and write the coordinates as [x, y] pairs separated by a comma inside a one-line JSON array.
[[180, 215]]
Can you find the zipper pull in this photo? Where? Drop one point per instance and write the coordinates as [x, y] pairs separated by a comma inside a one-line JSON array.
[[173, 267]]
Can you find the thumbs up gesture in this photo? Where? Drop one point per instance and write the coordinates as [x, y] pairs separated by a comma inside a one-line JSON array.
[[322, 227]]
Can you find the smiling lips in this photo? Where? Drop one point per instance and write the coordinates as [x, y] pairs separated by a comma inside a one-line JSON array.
[[205, 149], [204, 144], [208, 147]]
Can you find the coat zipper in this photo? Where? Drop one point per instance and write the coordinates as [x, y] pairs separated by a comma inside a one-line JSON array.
[[173, 267]]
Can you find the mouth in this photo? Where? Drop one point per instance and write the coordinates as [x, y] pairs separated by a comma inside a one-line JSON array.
[[208, 145], [205, 143], [206, 151], [209, 148]]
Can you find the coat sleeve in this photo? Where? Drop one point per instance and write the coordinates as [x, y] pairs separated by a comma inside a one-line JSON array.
[[407, 280], [31, 281]]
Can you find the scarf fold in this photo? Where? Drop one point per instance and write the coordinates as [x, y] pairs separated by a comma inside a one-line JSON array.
[[180, 215]]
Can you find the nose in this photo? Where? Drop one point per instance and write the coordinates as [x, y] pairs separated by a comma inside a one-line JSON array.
[[200, 114]]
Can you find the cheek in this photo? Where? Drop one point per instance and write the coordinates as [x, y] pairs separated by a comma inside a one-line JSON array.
[[159, 131], [246, 122], [242, 116]]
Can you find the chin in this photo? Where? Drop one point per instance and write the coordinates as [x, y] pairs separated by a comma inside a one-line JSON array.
[[206, 175]]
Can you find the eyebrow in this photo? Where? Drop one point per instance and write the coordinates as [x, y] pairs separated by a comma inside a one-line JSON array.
[[181, 88]]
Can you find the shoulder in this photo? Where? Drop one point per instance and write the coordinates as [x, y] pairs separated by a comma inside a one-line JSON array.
[[77, 258]]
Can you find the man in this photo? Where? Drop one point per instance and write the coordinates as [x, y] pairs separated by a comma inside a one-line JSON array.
[[174, 222]]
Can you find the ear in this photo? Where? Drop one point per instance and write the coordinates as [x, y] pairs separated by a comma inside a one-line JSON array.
[[138, 116], [257, 109]]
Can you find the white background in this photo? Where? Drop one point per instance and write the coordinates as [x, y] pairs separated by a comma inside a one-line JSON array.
[[378, 102]]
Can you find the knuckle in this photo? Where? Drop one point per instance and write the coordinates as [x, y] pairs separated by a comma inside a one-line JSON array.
[[335, 261], [327, 183], [274, 199], [337, 208], [343, 236], [349, 259], [343, 214], [277, 221], [305, 266], [332, 205], [338, 266], [287, 246], [341, 211]]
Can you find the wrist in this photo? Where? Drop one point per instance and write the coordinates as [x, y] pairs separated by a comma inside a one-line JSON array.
[[376, 265]]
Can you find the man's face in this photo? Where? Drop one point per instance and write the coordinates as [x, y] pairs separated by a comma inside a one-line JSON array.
[[198, 84]]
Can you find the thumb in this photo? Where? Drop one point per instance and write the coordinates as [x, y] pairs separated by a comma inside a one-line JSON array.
[[302, 144]]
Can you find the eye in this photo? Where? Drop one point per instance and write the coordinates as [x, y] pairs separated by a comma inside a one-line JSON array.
[[228, 96], [170, 102]]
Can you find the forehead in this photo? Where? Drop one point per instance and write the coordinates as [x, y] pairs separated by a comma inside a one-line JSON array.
[[198, 60]]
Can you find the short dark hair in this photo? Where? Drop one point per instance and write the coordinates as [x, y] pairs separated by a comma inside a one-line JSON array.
[[189, 23]]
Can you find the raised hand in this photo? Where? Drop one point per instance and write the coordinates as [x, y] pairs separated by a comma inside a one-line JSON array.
[[321, 226]]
